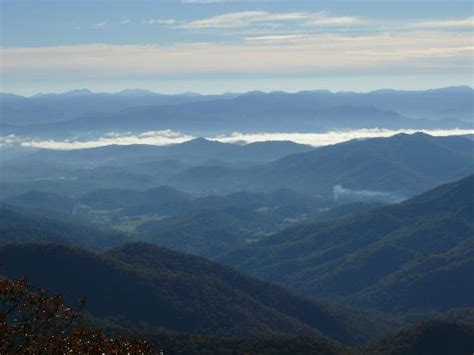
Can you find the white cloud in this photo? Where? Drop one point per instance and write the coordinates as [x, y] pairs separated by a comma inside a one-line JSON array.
[[289, 54], [169, 137], [467, 22], [125, 21], [153, 21], [99, 25], [328, 138], [250, 18], [9, 140], [324, 19], [152, 138], [244, 18], [278, 38]]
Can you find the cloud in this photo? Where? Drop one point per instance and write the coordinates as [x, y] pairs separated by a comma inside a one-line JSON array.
[[278, 38], [99, 25], [345, 195], [125, 21], [170, 137], [290, 54], [251, 18], [467, 22], [243, 19], [9, 140], [324, 19], [151, 138], [153, 21], [332, 137]]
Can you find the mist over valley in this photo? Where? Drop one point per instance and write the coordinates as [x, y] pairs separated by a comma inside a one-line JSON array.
[[236, 177]]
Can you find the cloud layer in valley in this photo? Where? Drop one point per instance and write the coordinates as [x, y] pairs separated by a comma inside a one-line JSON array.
[[169, 137], [345, 195]]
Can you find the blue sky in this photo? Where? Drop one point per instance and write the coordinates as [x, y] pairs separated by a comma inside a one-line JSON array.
[[214, 46]]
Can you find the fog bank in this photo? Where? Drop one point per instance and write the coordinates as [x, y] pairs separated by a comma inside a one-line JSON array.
[[167, 137]]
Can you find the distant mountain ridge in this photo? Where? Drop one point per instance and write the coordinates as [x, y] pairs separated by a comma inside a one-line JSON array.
[[18, 110], [197, 150], [307, 111], [401, 165], [392, 168]]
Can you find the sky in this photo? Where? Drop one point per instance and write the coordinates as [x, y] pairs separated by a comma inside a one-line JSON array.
[[215, 46]]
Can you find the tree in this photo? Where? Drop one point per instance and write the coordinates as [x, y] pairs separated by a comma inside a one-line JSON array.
[[33, 322]]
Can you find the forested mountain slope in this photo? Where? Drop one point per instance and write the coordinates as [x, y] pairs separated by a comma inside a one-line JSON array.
[[139, 284], [390, 258]]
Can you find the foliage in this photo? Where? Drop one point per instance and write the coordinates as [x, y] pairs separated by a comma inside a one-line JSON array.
[[32, 322]]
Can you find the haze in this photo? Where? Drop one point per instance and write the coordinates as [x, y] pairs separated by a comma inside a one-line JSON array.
[[237, 177]]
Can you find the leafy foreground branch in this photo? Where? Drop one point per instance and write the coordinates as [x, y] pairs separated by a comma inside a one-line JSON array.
[[32, 322]]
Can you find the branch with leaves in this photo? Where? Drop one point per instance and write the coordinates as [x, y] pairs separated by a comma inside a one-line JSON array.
[[33, 322]]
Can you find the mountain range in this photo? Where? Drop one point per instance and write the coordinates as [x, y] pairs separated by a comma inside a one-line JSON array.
[[18, 110], [342, 248], [141, 285], [416, 256], [400, 165], [198, 150], [82, 112], [377, 169], [18, 224]]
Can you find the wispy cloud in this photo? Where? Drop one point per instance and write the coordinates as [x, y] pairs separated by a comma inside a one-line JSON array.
[[157, 21], [467, 22], [99, 25], [125, 21], [349, 195], [278, 38], [244, 18], [325, 19], [290, 54]]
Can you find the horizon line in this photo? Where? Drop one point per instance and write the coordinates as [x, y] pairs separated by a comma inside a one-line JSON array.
[[197, 93]]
